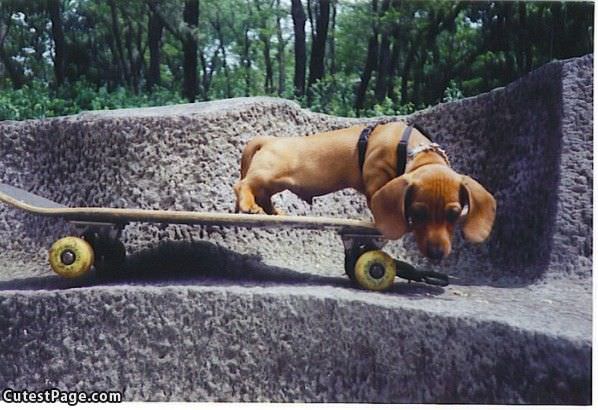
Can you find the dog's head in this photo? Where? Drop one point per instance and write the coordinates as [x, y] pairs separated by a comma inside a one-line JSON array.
[[430, 201]]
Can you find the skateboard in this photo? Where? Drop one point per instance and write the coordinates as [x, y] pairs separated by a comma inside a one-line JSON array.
[[96, 242]]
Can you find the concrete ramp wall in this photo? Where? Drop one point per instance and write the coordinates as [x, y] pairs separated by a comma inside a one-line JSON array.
[[268, 315]]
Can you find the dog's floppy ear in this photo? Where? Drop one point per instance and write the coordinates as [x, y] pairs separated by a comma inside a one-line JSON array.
[[482, 210], [388, 207]]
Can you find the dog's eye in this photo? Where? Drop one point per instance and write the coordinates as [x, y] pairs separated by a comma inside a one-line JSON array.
[[453, 214], [419, 214]]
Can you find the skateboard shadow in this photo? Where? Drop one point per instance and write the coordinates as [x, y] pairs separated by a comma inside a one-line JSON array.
[[203, 263]]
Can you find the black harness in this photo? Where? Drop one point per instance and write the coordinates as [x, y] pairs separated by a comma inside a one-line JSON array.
[[362, 144]]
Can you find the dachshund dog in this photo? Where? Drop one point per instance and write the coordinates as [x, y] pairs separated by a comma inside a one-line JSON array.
[[427, 197]]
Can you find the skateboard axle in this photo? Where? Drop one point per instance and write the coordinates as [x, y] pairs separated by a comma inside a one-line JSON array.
[[377, 271], [67, 257]]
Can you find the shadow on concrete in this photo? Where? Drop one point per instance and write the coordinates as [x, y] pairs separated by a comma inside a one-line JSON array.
[[203, 263]]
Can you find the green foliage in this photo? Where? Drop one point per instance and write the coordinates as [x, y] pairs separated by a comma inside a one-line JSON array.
[[452, 92], [443, 51], [37, 101], [389, 107], [333, 95]]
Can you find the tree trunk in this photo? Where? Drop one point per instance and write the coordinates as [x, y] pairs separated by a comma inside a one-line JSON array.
[[114, 77], [407, 69], [370, 62], [395, 55], [383, 59], [140, 56], [332, 41], [557, 32], [122, 66], [155, 29], [438, 23], [247, 61], [280, 52], [527, 45], [394, 64], [299, 20], [191, 19], [217, 24], [15, 74], [229, 91], [507, 47], [59, 44], [264, 36], [418, 77], [134, 47], [205, 79], [133, 57], [318, 48], [268, 80], [208, 71]]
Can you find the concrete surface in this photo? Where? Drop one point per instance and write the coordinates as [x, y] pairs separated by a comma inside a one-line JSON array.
[[268, 315]]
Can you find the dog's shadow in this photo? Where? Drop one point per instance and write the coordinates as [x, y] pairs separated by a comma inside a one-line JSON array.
[[206, 264]]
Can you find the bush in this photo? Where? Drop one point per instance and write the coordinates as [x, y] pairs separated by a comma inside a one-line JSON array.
[[452, 92], [336, 96], [37, 100], [331, 95]]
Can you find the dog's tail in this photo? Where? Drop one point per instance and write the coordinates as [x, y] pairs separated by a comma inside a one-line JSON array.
[[249, 151]]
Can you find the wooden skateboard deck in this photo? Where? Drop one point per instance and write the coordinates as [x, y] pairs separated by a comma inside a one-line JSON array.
[[38, 205], [99, 245]]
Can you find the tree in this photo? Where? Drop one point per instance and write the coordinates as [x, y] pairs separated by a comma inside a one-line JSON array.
[[370, 62], [320, 12], [58, 36], [155, 28], [117, 38], [383, 55], [281, 44], [217, 20], [395, 53], [133, 34], [332, 40], [191, 20], [264, 34], [299, 20], [13, 69]]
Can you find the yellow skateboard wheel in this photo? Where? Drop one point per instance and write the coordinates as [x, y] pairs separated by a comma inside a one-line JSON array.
[[375, 270], [71, 257]]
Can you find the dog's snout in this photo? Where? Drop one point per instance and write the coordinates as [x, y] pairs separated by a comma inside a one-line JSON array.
[[435, 252]]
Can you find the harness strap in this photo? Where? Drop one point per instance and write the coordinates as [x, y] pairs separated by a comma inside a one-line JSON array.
[[362, 144], [402, 151]]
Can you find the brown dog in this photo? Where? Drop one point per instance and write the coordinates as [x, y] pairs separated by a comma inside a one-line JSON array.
[[428, 199]]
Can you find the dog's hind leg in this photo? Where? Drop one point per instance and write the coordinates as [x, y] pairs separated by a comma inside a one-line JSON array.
[[265, 201], [246, 202]]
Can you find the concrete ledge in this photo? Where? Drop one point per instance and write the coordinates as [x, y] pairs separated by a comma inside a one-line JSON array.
[[278, 343], [267, 314]]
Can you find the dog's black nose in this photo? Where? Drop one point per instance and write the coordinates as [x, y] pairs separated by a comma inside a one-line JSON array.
[[435, 252]]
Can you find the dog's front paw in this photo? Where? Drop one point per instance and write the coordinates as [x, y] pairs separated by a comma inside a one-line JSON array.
[[278, 212], [254, 209]]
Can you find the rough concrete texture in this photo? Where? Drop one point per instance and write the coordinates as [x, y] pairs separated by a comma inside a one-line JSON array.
[[266, 314]]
